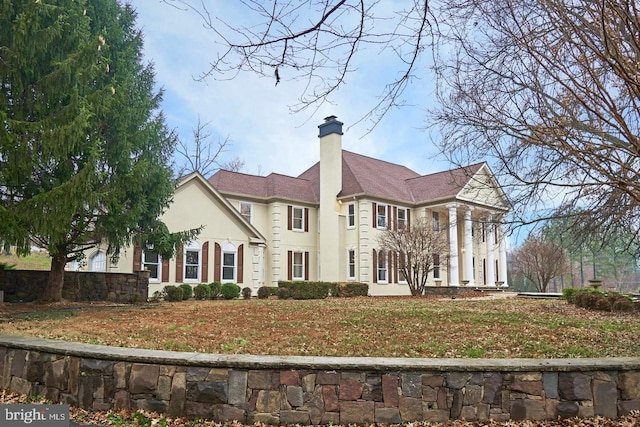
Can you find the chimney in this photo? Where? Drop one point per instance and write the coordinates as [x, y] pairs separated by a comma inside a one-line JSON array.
[[331, 264]]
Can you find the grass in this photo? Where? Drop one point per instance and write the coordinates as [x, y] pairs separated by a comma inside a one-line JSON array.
[[376, 327], [33, 261]]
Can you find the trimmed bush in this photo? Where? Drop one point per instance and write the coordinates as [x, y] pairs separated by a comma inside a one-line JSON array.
[[620, 302], [246, 293], [215, 290], [230, 290], [353, 290], [284, 293], [569, 294], [172, 293], [202, 291], [587, 298], [306, 290], [264, 292], [187, 291]]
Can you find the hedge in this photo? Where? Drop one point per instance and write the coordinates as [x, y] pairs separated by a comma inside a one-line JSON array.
[[321, 290]]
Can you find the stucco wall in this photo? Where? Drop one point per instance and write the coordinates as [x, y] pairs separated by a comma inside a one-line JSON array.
[[318, 390]]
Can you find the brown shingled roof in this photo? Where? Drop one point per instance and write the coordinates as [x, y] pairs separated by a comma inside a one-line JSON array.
[[263, 187], [441, 185]]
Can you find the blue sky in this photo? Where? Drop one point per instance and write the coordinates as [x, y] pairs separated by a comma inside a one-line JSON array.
[[255, 114]]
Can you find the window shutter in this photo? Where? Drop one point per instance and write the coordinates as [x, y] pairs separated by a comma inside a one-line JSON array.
[[217, 262], [408, 220], [389, 219], [289, 217], [179, 261], [306, 219], [375, 215], [205, 262], [165, 270], [289, 266], [394, 219], [375, 266], [240, 255], [395, 267], [306, 266], [137, 258]]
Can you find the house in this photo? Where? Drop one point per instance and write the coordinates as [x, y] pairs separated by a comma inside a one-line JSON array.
[[322, 225]]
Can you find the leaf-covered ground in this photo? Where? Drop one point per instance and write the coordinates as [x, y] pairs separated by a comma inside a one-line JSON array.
[[377, 327]]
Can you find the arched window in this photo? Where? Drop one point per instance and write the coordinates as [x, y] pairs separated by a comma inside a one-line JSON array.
[[229, 262], [98, 261], [192, 260]]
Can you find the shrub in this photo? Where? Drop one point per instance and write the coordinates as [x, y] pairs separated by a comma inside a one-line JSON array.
[[353, 290], [215, 290], [587, 298], [307, 290], [264, 292], [230, 290], [246, 293], [172, 293], [569, 294], [620, 302], [156, 297], [187, 291], [284, 293], [202, 291]]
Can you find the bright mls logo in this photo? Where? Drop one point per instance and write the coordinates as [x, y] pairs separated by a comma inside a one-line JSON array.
[[34, 415]]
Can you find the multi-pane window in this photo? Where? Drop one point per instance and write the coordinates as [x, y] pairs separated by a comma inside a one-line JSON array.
[[382, 267], [351, 215], [229, 266], [436, 266], [381, 215], [402, 265], [245, 210], [151, 261], [98, 261], [298, 266], [192, 262], [298, 218], [402, 219], [435, 221], [351, 261]]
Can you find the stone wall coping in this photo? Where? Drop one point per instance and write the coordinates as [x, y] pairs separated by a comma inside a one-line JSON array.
[[244, 361]]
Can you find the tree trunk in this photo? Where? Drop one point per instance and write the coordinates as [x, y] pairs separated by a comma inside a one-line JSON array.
[[55, 281]]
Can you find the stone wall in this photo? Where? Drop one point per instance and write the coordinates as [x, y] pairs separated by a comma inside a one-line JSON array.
[[27, 285], [318, 390]]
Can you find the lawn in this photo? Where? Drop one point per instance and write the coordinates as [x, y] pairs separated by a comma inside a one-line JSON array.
[[378, 327]]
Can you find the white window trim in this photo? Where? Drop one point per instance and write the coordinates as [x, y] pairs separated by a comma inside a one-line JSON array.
[[385, 255], [250, 219], [404, 222], [293, 265], [386, 216], [192, 247], [355, 264], [349, 217], [400, 280], [159, 269], [293, 218], [435, 221], [439, 269], [234, 266]]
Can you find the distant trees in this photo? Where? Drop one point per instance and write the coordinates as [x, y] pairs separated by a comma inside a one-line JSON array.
[[84, 148], [539, 261], [420, 249]]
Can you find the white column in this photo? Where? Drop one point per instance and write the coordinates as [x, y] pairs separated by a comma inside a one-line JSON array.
[[468, 248], [454, 278], [491, 269], [502, 261]]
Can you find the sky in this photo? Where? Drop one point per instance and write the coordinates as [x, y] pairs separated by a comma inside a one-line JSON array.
[[255, 114]]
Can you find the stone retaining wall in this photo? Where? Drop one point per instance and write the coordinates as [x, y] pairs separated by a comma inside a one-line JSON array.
[[318, 390], [27, 285]]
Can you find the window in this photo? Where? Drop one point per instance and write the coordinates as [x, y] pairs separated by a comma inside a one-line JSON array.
[[229, 266], [402, 263], [351, 215], [435, 221], [192, 262], [245, 210], [151, 262], [298, 266], [436, 266], [351, 262], [382, 267], [402, 219], [298, 218], [381, 214], [98, 262]]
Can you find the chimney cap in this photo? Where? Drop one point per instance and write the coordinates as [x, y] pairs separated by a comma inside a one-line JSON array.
[[330, 125]]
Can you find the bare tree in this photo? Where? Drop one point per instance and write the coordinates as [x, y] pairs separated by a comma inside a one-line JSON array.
[[548, 92], [417, 247], [540, 261], [203, 156]]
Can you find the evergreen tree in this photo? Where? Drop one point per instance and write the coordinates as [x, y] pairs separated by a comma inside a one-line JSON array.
[[84, 148]]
